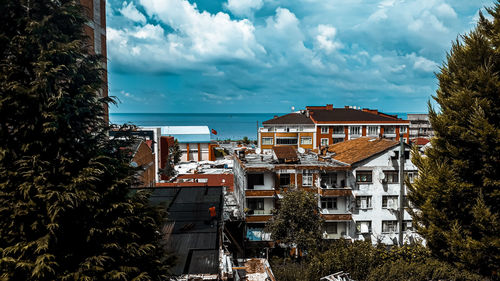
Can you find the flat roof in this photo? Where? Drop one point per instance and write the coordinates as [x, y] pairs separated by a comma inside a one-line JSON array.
[[349, 114], [184, 130]]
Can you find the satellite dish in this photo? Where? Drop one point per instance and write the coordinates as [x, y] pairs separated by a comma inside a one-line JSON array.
[[293, 108], [381, 176], [301, 150], [133, 164], [257, 150]]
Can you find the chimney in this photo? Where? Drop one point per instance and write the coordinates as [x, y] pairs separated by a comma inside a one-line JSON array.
[[346, 107], [329, 107], [275, 116], [307, 113]]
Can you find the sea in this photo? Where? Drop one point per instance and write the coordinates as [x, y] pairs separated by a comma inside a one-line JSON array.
[[232, 126]]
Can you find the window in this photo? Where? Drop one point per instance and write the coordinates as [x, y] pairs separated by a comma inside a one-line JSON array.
[[267, 141], [324, 142], [402, 129], [389, 130], [286, 141], [324, 130], [372, 130], [328, 203], [411, 175], [307, 178], [337, 140], [355, 130], [284, 179], [255, 179], [364, 176], [391, 176], [389, 226], [255, 204], [363, 227], [331, 228], [390, 202], [364, 202], [306, 140], [407, 225], [338, 130]]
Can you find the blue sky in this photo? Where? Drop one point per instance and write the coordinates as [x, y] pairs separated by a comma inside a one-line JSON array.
[[174, 56]]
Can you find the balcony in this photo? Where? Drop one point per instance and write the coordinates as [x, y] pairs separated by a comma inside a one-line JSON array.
[[337, 217], [335, 192], [258, 218], [260, 193]]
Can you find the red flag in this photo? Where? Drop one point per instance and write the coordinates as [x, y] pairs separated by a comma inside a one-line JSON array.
[[214, 132]]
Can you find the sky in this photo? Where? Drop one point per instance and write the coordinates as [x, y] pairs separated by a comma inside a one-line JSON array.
[[260, 56]]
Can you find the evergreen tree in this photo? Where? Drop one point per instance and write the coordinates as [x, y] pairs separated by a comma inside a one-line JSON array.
[[297, 221], [66, 212], [458, 188]]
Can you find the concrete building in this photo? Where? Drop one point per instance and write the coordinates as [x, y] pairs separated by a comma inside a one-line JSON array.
[[194, 141], [143, 157], [355, 181], [322, 126], [420, 126]]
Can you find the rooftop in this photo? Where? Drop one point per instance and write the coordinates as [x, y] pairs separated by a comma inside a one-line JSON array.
[[353, 151], [296, 118], [350, 114], [187, 134]]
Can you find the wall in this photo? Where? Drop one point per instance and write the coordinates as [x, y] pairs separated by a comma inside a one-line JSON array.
[[144, 158], [268, 182]]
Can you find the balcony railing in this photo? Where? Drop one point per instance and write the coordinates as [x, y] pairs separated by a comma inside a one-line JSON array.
[[260, 193], [258, 218], [337, 217]]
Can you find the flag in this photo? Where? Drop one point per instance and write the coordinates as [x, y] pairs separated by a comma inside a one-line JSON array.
[[214, 132]]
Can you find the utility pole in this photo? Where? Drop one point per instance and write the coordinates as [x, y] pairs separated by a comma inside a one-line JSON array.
[[401, 212]]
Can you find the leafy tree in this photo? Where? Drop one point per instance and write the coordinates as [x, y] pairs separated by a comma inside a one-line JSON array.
[[174, 157], [297, 222], [457, 191], [66, 212], [246, 140]]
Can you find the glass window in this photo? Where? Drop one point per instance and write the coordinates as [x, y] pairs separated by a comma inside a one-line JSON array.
[[338, 130], [307, 178], [389, 130], [331, 228], [390, 201], [337, 140], [267, 141], [402, 129], [324, 142], [255, 204], [306, 140], [284, 179], [407, 225], [372, 130], [363, 176], [364, 202], [391, 176], [389, 226], [328, 203], [363, 227], [286, 141], [355, 130], [324, 130], [411, 175]]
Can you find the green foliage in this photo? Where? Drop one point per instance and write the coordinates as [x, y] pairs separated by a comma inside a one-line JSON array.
[[66, 212], [458, 188], [246, 140], [297, 221]]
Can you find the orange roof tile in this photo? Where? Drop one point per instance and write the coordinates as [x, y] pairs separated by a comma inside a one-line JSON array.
[[353, 151]]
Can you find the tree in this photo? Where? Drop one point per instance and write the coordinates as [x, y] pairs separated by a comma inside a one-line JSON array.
[[297, 222], [173, 158], [66, 211], [457, 191]]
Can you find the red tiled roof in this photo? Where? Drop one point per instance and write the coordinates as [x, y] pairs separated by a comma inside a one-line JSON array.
[[353, 151], [420, 141], [349, 114], [291, 118]]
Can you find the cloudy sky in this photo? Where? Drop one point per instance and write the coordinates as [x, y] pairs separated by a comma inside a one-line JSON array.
[[269, 55]]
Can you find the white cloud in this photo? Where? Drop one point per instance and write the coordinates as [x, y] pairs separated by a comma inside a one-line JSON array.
[[130, 12], [243, 7], [424, 64], [325, 38]]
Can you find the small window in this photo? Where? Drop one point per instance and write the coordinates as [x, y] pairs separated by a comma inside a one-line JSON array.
[[324, 130], [307, 178], [337, 140], [255, 204], [391, 176], [389, 130], [407, 225], [306, 140], [255, 179], [372, 130], [286, 141], [402, 129], [329, 203], [364, 202], [390, 202], [324, 142], [389, 226], [331, 228], [267, 141], [355, 130], [364, 176], [411, 175], [284, 179], [363, 227], [338, 130]]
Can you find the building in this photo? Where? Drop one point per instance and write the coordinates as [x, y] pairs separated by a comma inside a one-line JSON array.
[[420, 126], [321, 126], [194, 142], [143, 157], [356, 182], [95, 29]]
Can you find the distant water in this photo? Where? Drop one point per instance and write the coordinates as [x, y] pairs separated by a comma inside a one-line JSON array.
[[228, 125]]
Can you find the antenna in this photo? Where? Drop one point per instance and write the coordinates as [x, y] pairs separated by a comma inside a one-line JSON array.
[[301, 150], [257, 150]]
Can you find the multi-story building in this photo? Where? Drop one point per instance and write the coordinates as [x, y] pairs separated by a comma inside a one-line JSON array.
[[356, 182], [420, 126], [321, 126], [95, 29], [194, 142]]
